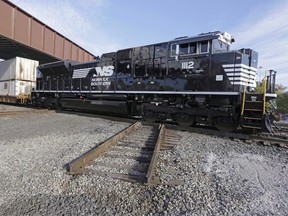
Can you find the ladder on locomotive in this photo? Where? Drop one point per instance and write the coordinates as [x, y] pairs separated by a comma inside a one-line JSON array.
[[253, 110]]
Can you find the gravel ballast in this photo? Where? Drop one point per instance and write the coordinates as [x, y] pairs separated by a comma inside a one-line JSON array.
[[222, 177]]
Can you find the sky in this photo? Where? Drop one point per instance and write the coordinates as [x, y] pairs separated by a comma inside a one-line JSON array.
[[101, 26]]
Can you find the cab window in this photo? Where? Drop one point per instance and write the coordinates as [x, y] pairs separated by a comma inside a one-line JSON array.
[[173, 51], [188, 48], [193, 48], [184, 49], [219, 46], [204, 47]]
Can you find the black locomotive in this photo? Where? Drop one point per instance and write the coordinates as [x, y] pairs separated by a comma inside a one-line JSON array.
[[188, 79]]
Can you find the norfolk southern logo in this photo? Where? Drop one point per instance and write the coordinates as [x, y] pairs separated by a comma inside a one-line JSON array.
[[99, 75], [104, 71]]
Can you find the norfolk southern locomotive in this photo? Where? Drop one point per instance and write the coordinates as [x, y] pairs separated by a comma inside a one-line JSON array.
[[189, 80]]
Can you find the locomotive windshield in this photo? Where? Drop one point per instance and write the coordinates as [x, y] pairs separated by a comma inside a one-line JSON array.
[[219, 46]]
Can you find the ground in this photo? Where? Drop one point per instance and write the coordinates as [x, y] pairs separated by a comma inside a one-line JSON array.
[[222, 177]]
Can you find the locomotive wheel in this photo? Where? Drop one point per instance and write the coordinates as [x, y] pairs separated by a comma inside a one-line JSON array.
[[184, 119], [225, 124], [150, 116]]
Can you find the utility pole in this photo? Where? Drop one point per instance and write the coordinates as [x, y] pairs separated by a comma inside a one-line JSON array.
[[260, 67]]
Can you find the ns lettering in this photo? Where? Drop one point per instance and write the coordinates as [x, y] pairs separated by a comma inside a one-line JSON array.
[[104, 71]]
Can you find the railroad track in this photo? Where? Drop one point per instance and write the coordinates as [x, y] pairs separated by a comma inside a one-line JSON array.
[[281, 128], [280, 138], [8, 113], [131, 155]]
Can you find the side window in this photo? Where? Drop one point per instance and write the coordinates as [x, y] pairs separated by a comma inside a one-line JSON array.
[[193, 48], [188, 48], [184, 49], [219, 46], [204, 47], [160, 50], [124, 61], [173, 51]]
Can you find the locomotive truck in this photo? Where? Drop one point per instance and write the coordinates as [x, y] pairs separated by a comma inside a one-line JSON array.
[[189, 80]]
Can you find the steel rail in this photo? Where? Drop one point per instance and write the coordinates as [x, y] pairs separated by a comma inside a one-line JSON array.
[[8, 113], [281, 141], [77, 165], [153, 163], [265, 139]]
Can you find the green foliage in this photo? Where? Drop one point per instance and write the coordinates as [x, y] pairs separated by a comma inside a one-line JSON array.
[[279, 89], [259, 86], [282, 103]]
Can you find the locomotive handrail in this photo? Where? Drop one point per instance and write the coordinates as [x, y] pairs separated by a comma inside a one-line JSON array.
[[264, 94], [244, 96], [243, 101]]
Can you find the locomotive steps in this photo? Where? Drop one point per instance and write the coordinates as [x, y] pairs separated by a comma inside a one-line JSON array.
[[131, 155]]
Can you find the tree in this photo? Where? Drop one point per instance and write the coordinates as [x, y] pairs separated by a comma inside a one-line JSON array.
[[259, 86], [282, 103], [279, 88]]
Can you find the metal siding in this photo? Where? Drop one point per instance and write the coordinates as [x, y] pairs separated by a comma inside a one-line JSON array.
[[18, 69], [6, 14], [48, 41], [26, 69], [16, 87], [36, 35], [86, 57], [75, 51], [24, 87], [58, 52], [21, 28], [7, 88], [67, 49], [22, 31], [81, 55], [6, 68], [91, 58]]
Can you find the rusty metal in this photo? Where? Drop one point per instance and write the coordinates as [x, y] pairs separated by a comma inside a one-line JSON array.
[[146, 141], [77, 166], [279, 139], [8, 99], [23, 35], [8, 113], [151, 174], [276, 140]]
